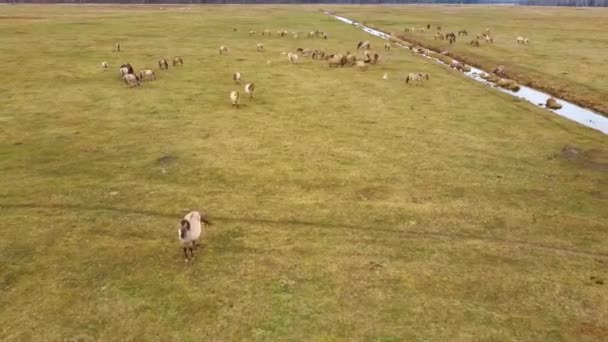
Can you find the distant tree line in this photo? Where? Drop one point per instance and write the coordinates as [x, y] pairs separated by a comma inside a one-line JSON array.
[[574, 3], [577, 3], [266, 1]]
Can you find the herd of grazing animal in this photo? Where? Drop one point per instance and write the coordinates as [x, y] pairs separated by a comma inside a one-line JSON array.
[[484, 36], [192, 224], [294, 34], [349, 59], [133, 79]]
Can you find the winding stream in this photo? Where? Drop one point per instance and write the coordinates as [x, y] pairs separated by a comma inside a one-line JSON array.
[[569, 110]]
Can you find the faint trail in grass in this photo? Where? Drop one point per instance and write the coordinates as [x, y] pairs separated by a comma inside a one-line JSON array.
[[408, 232]]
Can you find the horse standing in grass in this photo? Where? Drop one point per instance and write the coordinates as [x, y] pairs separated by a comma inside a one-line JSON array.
[[416, 77]]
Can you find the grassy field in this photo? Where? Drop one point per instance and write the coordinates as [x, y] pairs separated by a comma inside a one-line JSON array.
[[566, 55], [345, 207]]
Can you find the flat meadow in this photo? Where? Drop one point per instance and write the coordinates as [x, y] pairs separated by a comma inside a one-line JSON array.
[[345, 207]]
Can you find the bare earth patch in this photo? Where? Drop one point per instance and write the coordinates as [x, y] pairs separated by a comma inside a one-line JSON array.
[[583, 158]]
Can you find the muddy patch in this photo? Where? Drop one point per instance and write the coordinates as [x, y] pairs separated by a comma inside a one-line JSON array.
[[591, 329], [167, 160], [587, 159], [372, 193]]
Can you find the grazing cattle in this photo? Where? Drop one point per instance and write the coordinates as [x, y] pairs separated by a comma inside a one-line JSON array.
[[234, 98], [251, 33], [526, 41], [223, 50], [311, 34], [260, 47], [304, 52], [451, 37], [236, 77], [190, 230], [147, 75], [336, 61], [178, 61], [428, 26], [420, 50], [292, 57], [364, 45], [416, 77], [520, 40], [324, 35], [266, 32], [361, 65], [162, 64], [488, 39], [367, 58], [131, 80], [375, 58], [104, 66], [318, 54], [458, 66], [474, 42], [295, 35], [463, 33], [351, 59], [249, 89], [387, 46], [438, 28], [438, 35], [123, 71], [128, 67], [117, 47]]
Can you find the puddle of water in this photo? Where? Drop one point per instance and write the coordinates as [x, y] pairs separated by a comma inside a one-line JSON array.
[[569, 110]]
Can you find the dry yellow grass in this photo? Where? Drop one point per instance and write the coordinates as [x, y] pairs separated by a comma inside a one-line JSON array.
[[346, 207]]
